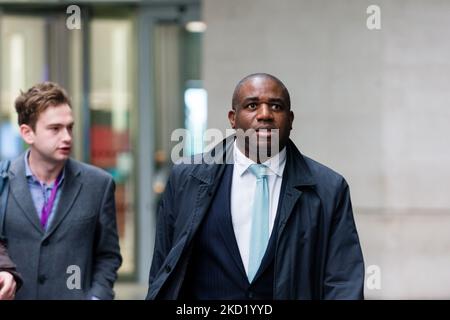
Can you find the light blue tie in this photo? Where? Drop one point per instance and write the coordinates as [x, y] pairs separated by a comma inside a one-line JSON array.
[[259, 234]]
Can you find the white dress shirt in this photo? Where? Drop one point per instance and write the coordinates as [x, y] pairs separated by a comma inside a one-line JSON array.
[[243, 188]]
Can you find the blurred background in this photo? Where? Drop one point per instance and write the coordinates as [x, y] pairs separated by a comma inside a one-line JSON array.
[[373, 104]]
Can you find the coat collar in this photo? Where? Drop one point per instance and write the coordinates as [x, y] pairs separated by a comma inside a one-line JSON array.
[[296, 172], [17, 168], [21, 192], [213, 162], [70, 190]]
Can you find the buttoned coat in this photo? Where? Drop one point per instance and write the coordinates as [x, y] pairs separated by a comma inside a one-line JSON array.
[[317, 254], [78, 256]]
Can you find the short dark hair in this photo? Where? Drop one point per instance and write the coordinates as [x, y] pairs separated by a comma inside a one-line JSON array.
[[287, 97], [29, 105]]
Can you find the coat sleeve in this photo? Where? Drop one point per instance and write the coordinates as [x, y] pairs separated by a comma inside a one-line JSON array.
[[107, 258], [7, 265], [164, 229], [344, 270]]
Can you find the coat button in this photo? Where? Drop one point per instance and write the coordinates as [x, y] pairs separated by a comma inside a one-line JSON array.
[[45, 242], [167, 268], [42, 278], [250, 295]]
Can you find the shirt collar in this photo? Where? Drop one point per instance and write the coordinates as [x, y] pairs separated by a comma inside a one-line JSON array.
[[275, 164], [29, 174]]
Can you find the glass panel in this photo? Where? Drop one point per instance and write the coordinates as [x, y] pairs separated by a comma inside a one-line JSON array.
[[111, 104], [75, 80], [22, 65], [195, 96], [168, 100], [195, 100]]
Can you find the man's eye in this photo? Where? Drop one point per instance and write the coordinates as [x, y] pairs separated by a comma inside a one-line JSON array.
[[276, 107], [252, 106]]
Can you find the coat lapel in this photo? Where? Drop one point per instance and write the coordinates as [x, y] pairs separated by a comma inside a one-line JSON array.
[[205, 191], [70, 190], [21, 192], [296, 176], [289, 200], [209, 179]]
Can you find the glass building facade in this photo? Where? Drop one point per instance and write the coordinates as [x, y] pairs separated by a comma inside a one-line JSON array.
[[127, 69]]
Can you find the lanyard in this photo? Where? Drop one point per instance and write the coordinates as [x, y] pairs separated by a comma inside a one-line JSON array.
[[47, 208]]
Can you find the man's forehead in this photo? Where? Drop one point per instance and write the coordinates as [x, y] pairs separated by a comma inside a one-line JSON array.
[[61, 113], [261, 81], [258, 86]]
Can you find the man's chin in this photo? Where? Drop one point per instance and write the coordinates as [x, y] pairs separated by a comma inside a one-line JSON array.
[[264, 134], [267, 143], [61, 157], [263, 150]]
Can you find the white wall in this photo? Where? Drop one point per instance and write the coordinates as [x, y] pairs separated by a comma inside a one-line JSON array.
[[373, 105]]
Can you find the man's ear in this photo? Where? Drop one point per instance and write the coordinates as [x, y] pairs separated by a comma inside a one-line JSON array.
[[291, 116], [27, 133], [232, 118]]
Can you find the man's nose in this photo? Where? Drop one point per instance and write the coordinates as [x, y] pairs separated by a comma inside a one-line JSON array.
[[67, 135], [264, 112]]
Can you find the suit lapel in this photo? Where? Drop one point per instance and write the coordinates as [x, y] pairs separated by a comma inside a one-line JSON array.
[[21, 192], [227, 231], [70, 189], [270, 251]]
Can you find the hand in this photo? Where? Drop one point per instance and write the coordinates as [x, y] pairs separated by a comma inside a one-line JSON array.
[[7, 286]]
